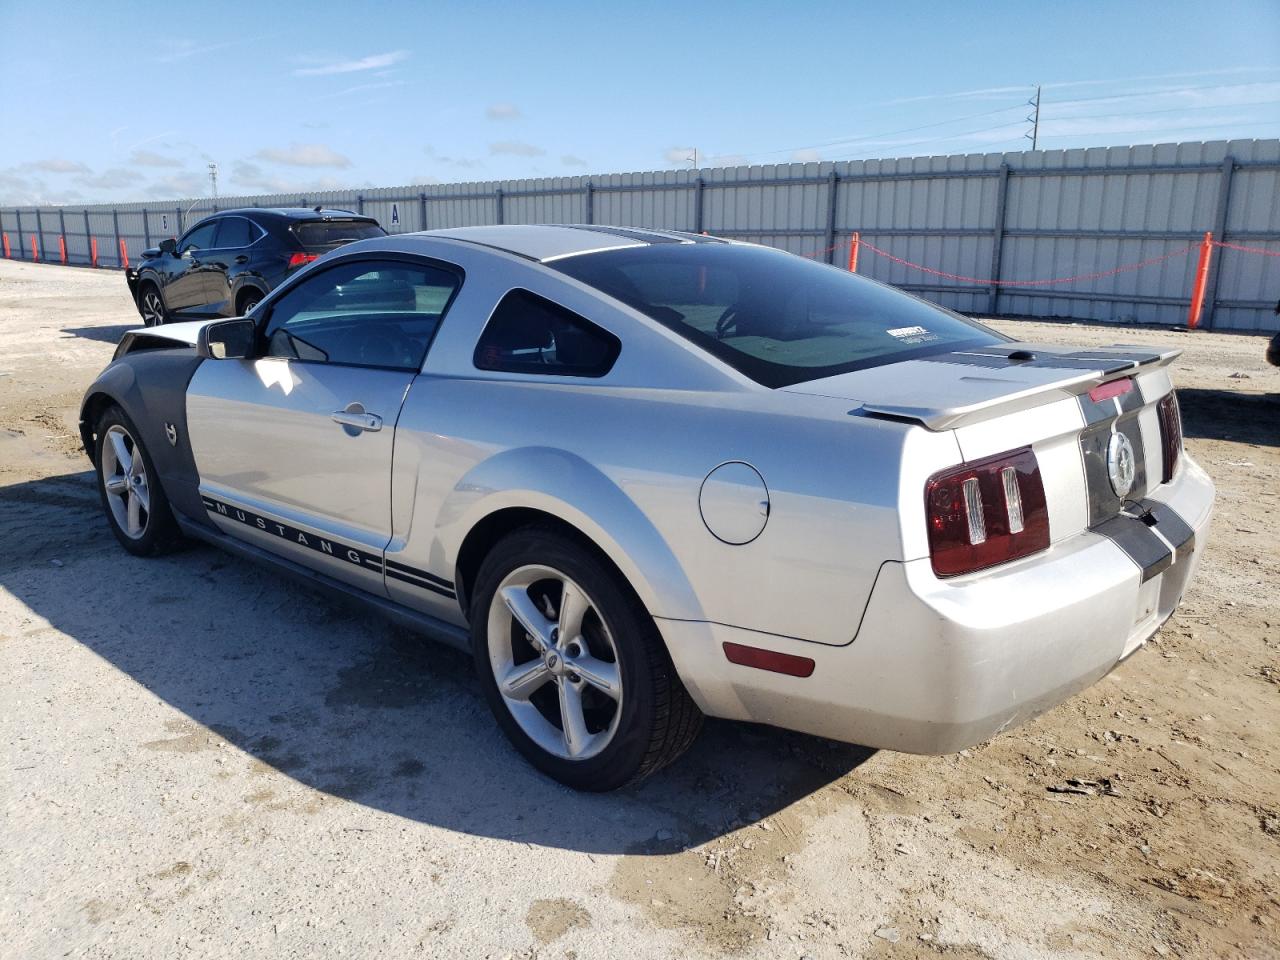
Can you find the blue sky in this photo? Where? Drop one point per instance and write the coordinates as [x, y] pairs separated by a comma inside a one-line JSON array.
[[125, 101]]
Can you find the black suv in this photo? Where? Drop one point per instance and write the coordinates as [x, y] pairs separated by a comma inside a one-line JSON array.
[[226, 263]]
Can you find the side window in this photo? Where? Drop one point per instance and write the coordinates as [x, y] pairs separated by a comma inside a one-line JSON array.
[[370, 313], [234, 232], [530, 334], [201, 238]]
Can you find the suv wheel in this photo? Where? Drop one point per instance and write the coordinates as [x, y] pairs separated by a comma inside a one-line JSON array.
[[151, 306], [573, 666]]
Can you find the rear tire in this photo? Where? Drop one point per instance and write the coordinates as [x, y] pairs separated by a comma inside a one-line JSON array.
[[151, 305], [609, 674], [135, 504]]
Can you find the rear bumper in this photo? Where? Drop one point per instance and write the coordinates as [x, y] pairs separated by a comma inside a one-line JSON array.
[[939, 665]]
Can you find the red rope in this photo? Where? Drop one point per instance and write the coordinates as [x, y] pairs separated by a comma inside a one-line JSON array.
[[1123, 268], [1242, 249]]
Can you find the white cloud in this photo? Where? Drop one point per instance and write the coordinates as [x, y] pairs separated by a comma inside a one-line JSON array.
[[516, 148], [112, 179], [57, 165], [374, 62], [502, 111], [249, 176], [304, 155], [571, 160], [147, 158], [809, 155], [360, 88], [179, 185], [680, 155]]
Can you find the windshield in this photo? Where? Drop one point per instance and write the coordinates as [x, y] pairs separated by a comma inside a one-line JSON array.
[[779, 319]]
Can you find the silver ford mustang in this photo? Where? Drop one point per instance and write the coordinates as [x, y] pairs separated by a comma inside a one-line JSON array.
[[645, 476]]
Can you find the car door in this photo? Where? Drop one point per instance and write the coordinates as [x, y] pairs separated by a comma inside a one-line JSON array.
[[293, 446], [221, 263], [184, 292]]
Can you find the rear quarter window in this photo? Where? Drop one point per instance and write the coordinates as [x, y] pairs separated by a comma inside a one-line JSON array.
[[531, 334]]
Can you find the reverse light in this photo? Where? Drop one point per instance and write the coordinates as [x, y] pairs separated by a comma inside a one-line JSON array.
[[300, 259], [1170, 433], [986, 513]]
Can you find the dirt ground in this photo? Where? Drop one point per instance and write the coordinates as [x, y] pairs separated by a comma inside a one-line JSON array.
[[201, 758]]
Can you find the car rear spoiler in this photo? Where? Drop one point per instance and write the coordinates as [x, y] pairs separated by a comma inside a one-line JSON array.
[[976, 385]]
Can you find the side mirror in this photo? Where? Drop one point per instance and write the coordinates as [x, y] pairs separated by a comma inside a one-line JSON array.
[[169, 246], [226, 339]]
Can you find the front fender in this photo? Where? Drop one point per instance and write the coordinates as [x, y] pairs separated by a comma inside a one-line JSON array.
[[569, 488]]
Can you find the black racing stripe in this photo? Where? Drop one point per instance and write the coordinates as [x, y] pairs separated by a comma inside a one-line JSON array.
[[1139, 542], [626, 233], [342, 552], [1095, 411], [970, 360], [418, 582], [422, 574], [1105, 366], [1171, 525]]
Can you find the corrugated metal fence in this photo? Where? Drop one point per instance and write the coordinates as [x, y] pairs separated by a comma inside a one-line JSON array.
[[1018, 218]]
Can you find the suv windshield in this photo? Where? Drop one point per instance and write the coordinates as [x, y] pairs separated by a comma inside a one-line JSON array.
[[777, 318], [328, 233]]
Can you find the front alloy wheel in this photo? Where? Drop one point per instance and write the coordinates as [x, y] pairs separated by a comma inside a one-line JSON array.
[[124, 478], [132, 497], [555, 662]]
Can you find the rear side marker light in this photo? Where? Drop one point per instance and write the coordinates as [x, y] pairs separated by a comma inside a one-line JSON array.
[[770, 660], [299, 259], [1107, 391], [1170, 433], [986, 513]]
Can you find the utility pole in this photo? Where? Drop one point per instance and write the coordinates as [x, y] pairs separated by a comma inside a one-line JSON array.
[[1034, 120], [213, 178], [694, 159]]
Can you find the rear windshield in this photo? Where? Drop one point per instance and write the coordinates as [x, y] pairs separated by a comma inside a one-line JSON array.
[[331, 233], [777, 318]]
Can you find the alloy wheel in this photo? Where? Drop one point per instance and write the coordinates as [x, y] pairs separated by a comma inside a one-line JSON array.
[[124, 477], [152, 308], [555, 662]]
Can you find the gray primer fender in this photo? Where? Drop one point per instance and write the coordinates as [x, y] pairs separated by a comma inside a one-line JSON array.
[[151, 387]]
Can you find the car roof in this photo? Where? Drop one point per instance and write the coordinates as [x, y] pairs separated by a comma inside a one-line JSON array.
[[293, 213], [547, 242]]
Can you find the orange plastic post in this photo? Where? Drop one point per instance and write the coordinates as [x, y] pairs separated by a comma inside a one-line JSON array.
[[853, 251], [93, 250], [62, 249], [1202, 278], [35, 249], [7, 254], [124, 254]]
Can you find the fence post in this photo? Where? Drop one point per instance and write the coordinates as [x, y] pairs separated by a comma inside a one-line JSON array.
[[699, 188], [146, 228], [422, 209], [115, 223], [1202, 276], [589, 202], [997, 238], [360, 203], [1219, 231], [38, 242], [88, 240], [497, 197], [833, 182], [21, 252], [177, 222]]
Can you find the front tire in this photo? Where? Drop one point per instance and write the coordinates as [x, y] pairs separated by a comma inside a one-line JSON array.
[[132, 498], [573, 666], [151, 306]]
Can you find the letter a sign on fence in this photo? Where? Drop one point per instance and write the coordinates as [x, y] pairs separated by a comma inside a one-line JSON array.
[[395, 214]]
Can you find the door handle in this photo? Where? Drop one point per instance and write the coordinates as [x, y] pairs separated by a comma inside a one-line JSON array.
[[357, 420], [242, 259]]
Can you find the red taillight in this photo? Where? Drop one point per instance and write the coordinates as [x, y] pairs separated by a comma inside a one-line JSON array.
[[986, 513], [299, 259], [1170, 433]]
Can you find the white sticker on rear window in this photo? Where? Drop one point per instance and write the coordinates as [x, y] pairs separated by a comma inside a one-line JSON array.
[[912, 334]]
